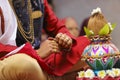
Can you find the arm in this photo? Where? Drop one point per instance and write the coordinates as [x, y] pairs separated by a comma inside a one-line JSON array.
[[61, 63], [55, 28], [52, 24]]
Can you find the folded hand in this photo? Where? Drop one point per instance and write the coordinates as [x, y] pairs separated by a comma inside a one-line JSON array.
[[63, 40]]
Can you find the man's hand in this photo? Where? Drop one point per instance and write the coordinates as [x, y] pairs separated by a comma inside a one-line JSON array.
[[48, 47], [63, 40]]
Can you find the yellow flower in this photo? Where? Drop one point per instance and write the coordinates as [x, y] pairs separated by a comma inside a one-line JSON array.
[[81, 74], [101, 74], [110, 73], [116, 71], [89, 74]]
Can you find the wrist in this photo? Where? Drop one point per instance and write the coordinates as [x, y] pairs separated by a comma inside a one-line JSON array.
[[41, 54]]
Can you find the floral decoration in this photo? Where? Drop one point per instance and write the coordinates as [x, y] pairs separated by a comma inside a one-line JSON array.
[[90, 74], [101, 74]]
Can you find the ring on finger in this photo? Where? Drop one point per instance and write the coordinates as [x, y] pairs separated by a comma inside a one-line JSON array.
[[66, 39], [54, 50]]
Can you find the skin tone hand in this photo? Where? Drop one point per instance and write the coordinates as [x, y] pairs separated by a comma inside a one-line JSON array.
[[63, 40], [48, 47]]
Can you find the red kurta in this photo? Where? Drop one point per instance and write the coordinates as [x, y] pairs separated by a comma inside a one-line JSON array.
[[56, 64]]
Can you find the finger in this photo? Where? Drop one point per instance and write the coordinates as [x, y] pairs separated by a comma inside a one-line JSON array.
[[54, 46], [65, 40], [54, 43], [50, 38], [68, 44], [55, 49], [58, 36], [62, 41]]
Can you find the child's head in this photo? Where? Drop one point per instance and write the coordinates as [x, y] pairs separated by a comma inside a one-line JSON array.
[[96, 21]]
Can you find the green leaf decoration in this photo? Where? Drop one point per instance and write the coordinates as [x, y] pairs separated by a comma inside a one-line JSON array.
[[88, 32], [99, 65], [92, 65], [110, 64], [112, 27], [104, 30]]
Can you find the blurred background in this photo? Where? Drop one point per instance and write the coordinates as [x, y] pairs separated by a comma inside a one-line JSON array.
[[81, 9]]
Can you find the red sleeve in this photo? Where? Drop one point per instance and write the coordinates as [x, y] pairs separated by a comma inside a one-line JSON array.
[[4, 49], [63, 62], [52, 24], [28, 50]]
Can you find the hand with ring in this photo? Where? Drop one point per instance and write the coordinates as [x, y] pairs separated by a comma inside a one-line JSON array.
[[64, 40], [48, 47]]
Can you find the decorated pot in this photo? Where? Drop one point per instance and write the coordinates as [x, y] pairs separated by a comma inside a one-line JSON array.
[[101, 54]]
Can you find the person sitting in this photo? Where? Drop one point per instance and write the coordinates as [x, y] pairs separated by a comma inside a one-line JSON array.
[[71, 25], [22, 56], [30, 60]]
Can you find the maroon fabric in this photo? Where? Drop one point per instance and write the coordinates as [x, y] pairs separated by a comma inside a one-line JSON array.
[[97, 78]]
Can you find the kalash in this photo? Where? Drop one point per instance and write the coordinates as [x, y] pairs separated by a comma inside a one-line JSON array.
[[101, 54]]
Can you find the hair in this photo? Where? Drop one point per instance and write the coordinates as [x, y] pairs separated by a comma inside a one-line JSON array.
[[96, 22], [84, 24]]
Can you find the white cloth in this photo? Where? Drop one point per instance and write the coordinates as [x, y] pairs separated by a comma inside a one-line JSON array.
[[9, 35]]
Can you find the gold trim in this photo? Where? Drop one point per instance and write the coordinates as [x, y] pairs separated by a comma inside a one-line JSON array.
[[36, 14], [24, 33], [98, 57]]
